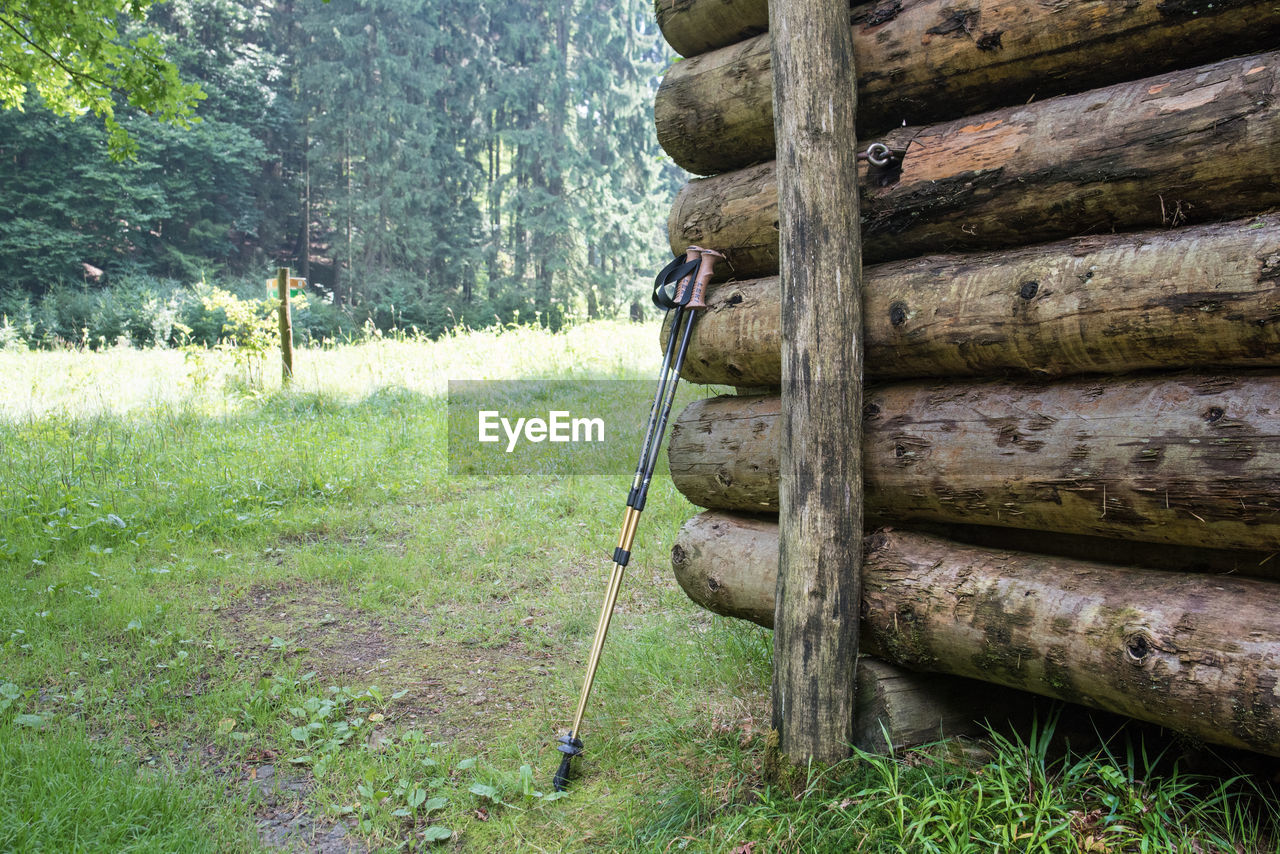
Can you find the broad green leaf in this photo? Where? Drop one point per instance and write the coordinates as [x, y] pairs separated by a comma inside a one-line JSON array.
[[484, 791]]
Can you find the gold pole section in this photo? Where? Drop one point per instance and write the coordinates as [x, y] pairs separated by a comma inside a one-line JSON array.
[[629, 524]]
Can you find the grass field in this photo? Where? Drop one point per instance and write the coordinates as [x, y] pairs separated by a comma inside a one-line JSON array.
[[243, 617]]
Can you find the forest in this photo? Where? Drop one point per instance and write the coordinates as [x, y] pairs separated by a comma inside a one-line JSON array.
[[424, 165]]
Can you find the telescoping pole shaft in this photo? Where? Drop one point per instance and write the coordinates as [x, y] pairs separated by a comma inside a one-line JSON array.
[[689, 298]]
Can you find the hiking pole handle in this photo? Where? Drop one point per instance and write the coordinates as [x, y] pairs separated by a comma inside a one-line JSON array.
[[696, 291], [671, 287], [698, 287]]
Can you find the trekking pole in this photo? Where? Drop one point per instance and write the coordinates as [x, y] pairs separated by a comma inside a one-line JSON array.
[[679, 288]]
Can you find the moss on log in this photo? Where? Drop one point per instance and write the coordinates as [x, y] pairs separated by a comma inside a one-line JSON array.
[[926, 61], [1199, 654], [1197, 296], [1188, 460], [1189, 146]]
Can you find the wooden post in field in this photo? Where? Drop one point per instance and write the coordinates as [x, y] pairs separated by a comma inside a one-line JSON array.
[[815, 647], [286, 326]]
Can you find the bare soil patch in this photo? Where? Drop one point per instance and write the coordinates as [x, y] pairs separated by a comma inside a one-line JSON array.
[[316, 622], [284, 820], [454, 690]]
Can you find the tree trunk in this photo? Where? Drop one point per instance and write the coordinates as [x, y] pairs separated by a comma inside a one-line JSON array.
[[1189, 146], [1190, 460], [1199, 654], [928, 61], [816, 643], [1192, 297], [697, 26]]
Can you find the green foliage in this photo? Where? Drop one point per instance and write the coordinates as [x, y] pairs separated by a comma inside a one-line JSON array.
[[81, 55], [173, 211], [143, 311], [323, 724], [218, 316], [424, 164], [1028, 796]]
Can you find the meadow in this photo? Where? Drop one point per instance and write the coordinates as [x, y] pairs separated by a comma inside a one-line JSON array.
[[241, 617]]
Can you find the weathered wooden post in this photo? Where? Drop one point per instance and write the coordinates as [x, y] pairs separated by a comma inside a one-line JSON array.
[[815, 646], [286, 326]]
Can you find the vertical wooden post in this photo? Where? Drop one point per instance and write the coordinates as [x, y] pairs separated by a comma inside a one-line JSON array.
[[286, 326], [815, 646]]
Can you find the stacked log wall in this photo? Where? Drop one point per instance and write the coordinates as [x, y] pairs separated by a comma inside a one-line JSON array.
[[930, 60], [1199, 654], [1187, 147], [1118, 226], [1190, 460]]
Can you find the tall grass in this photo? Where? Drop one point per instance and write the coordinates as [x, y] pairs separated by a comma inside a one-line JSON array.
[[124, 380]]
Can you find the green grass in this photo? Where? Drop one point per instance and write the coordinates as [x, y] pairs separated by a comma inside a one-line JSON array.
[[72, 792], [207, 578]]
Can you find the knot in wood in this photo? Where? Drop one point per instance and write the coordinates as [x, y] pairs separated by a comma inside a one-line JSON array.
[[898, 313], [1138, 647]]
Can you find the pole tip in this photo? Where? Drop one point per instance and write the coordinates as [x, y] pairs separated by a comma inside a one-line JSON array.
[[561, 778], [570, 747]]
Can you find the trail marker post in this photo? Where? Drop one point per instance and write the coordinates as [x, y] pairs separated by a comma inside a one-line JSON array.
[[286, 286]]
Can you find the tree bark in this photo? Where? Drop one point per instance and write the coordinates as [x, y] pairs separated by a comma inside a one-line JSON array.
[[692, 27], [1190, 146], [1199, 654], [1189, 460], [726, 562], [1191, 297], [1126, 552], [815, 645], [926, 61]]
